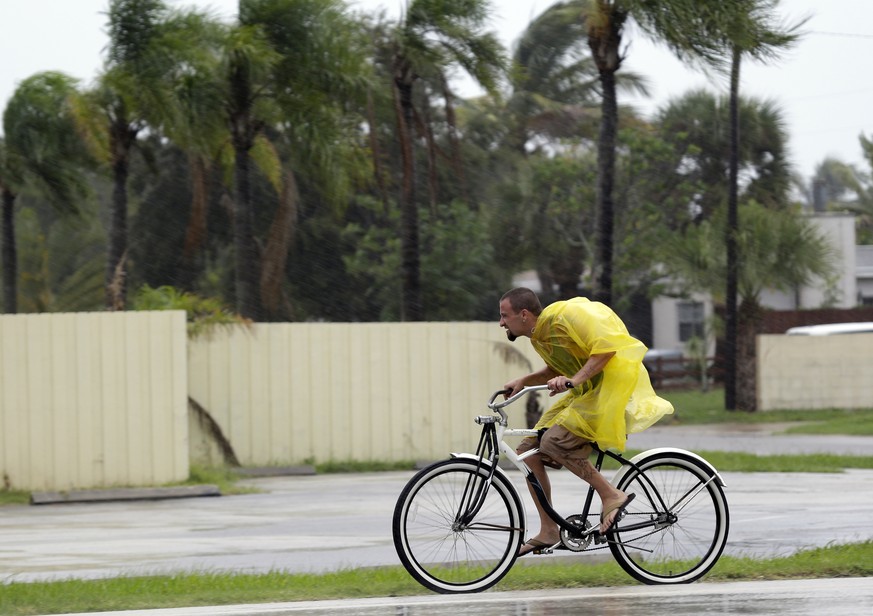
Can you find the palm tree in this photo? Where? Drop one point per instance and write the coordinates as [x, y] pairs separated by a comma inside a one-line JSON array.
[[132, 93], [697, 126], [319, 135], [677, 23], [782, 251], [431, 36], [750, 29], [291, 69], [197, 123], [41, 148], [839, 186], [553, 81]]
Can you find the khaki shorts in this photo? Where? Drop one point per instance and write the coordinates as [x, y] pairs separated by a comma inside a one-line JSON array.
[[559, 444]]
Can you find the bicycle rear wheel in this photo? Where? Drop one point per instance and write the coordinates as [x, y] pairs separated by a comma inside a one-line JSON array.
[[445, 552], [682, 520]]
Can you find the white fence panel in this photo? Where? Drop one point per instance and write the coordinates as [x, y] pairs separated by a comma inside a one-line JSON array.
[[93, 400], [815, 372], [313, 392]]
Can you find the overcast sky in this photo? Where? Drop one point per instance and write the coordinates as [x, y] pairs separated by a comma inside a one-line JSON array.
[[824, 85]]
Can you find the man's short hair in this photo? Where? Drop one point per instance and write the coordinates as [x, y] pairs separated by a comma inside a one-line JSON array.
[[522, 298]]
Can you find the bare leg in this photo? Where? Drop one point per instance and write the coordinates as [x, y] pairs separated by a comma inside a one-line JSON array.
[[549, 532], [571, 451]]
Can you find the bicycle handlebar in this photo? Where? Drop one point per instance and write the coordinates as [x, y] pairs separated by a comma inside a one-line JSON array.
[[521, 392], [495, 406]]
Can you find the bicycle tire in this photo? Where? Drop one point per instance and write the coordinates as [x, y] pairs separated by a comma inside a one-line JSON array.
[[681, 550], [446, 557]]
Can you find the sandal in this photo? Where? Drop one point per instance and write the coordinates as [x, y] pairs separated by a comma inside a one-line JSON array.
[[620, 506]]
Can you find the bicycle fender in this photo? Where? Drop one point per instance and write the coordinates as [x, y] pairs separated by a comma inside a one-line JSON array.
[[659, 450]]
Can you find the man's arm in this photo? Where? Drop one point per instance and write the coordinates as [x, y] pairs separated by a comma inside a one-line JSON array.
[[540, 377], [592, 368]]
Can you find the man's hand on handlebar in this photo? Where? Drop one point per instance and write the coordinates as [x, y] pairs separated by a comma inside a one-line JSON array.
[[512, 388], [559, 385]]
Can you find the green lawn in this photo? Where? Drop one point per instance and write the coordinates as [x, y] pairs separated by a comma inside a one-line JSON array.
[[695, 407], [195, 589]]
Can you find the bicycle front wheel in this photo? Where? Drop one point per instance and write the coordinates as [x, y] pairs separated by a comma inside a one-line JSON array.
[[677, 526], [453, 531]]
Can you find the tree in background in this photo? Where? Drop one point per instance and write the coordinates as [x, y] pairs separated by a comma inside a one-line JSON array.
[[41, 148], [430, 37], [133, 92], [291, 66], [696, 124], [838, 186], [675, 23], [749, 28], [781, 251]]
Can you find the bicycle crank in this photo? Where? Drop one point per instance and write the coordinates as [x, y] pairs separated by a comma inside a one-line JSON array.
[[573, 541]]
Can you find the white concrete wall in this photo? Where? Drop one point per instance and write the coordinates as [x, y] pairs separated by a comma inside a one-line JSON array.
[[815, 372]]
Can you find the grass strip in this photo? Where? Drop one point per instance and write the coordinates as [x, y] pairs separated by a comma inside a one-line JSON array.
[[741, 462], [698, 408], [198, 589]]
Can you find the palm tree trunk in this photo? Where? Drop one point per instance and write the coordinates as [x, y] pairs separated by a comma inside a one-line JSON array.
[[604, 40], [10, 255], [750, 317], [605, 183], [411, 304], [731, 230], [279, 243], [246, 278], [116, 269], [195, 232]]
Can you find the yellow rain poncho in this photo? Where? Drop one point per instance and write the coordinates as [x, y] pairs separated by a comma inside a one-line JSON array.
[[618, 401]]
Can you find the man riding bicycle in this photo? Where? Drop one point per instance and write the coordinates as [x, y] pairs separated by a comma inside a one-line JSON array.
[[591, 357]]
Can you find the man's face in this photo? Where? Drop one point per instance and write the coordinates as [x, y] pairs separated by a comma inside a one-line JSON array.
[[512, 321]]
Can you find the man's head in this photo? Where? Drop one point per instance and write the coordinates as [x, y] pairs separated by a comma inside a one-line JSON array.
[[519, 309]]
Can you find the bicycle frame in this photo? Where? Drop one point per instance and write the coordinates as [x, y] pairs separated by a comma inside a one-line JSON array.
[[492, 445], [458, 524]]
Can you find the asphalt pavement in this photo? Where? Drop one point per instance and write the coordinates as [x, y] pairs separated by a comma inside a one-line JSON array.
[[331, 522]]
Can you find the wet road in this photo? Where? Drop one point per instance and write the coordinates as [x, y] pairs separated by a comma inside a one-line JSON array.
[[323, 523], [841, 597], [330, 522]]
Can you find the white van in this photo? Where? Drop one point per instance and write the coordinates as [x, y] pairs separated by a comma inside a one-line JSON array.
[[830, 329]]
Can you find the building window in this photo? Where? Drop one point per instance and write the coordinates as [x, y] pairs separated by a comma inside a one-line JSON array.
[[690, 320]]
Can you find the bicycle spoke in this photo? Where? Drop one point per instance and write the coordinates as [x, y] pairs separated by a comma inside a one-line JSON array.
[[435, 544], [679, 544]]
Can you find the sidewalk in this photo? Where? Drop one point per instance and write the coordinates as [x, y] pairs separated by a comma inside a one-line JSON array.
[[760, 439]]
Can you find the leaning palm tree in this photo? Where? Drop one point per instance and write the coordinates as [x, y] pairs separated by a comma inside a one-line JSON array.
[[677, 23], [132, 93], [554, 83], [430, 37], [41, 148], [197, 123], [290, 68]]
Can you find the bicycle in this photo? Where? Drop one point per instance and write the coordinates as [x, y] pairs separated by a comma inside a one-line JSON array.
[[458, 523]]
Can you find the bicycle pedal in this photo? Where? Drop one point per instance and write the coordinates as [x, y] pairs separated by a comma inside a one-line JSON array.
[[550, 549]]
